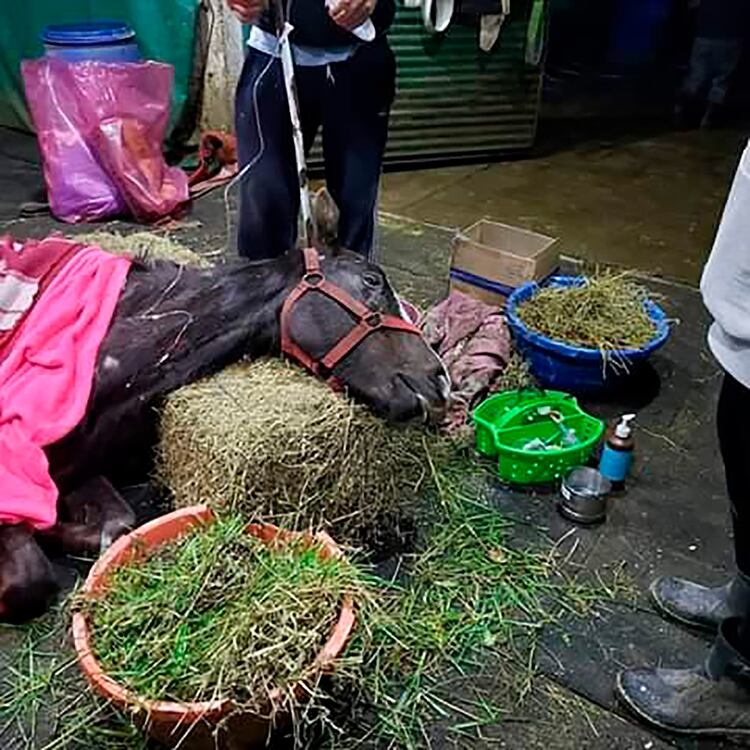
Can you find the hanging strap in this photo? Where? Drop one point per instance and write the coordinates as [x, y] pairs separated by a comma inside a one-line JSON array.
[[536, 33], [491, 25], [441, 10]]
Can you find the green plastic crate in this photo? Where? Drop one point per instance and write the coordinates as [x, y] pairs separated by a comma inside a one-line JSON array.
[[498, 410], [503, 429]]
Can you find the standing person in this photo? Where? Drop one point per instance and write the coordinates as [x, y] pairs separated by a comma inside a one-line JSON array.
[[720, 28], [346, 86], [715, 697]]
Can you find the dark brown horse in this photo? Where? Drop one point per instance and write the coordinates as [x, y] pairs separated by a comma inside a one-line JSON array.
[[176, 324]]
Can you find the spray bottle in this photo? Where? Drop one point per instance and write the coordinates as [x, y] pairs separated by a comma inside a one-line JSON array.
[[617, 454]]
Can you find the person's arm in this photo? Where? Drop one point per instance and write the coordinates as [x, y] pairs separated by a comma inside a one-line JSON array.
[[248, 11]]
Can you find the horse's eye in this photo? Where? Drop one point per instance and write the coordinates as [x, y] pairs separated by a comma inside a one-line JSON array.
[[372, 280]]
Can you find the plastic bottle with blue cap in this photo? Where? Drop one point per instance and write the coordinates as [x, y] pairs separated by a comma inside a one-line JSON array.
[[617, 455]]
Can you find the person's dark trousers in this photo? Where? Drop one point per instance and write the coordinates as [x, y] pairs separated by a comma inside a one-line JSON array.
[[351, 101], [734, 441], [712, 64]]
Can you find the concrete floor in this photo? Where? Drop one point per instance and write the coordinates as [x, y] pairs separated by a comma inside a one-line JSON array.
[[640, 196], [631, 193]]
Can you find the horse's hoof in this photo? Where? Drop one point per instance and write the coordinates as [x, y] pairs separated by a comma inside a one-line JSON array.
[[89, 519], [28, 585]]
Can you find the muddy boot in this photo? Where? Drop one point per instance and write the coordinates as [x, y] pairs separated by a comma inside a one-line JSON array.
[[712, 699], [682, 116], [701, 606], [686, 115]]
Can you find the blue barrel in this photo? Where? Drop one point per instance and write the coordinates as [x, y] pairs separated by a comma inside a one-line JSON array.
[[638, 32], [105, 41]]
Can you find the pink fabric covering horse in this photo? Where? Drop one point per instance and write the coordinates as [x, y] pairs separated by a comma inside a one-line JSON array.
[[57, 299]]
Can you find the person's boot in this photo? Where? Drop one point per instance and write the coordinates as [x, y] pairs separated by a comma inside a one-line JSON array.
[[701, 606], [685, 113], [712, 117], [712, 699], [681, 116]]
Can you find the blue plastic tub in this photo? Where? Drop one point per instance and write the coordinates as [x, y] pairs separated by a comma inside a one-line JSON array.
[[576, 369], [105, 41]]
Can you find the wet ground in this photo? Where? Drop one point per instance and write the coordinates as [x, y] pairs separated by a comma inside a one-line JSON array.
[[631, 193], [647, 198]]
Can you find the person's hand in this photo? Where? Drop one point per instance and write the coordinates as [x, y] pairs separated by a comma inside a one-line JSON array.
[[248, 11], [351, 13]]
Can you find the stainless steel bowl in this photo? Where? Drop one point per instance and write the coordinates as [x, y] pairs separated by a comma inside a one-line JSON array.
[[583, 496]]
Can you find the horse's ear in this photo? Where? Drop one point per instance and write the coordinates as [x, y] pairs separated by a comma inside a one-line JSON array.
[[325, 214]]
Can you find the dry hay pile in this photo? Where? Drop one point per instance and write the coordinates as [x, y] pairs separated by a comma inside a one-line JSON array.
[[267, 440], [607, 312], [145, 245]]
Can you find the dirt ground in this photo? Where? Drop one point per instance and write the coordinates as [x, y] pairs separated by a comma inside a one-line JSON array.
[[639, 196]]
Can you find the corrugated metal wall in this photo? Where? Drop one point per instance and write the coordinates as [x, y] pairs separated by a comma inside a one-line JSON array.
[[455, 102]]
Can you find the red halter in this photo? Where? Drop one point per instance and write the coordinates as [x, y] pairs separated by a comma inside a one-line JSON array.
[[368, 321]]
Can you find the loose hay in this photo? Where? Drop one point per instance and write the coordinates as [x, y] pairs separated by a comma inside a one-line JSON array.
[[516, 375], [146, 245], [443, 648], [607, 313], [269, 441]]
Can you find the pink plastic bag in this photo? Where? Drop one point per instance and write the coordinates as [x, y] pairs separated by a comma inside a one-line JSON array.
[[100, 128]]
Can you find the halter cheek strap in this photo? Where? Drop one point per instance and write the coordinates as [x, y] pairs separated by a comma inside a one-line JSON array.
[[367, 321]]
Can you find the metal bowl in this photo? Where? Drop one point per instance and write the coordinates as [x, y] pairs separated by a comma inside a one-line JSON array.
[[583, 496]]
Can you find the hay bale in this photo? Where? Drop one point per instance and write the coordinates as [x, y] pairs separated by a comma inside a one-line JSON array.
[[146, 245], [272, 442]]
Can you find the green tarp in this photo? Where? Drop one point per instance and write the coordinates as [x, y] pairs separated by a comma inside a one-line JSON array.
[[165, 28]]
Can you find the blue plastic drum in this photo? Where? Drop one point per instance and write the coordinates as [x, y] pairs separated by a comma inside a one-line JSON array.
[[105, 41], [639, 30]]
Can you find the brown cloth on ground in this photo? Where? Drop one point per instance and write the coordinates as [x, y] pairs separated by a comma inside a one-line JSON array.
[[217, 162], [473, 341]]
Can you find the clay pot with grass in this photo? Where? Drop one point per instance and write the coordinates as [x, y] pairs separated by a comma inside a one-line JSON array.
[[224, 721]]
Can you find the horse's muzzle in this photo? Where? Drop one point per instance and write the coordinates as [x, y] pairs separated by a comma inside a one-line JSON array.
[[422, 398]]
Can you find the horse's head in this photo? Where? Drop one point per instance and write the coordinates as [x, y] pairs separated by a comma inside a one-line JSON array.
[[395, 372]]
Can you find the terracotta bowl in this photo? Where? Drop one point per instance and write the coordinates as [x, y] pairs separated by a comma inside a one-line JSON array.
[[213, 725]]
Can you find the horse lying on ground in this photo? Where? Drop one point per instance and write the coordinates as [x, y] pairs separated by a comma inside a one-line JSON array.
[[176, 324]]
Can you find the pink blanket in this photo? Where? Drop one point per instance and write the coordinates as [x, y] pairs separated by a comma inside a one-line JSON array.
[[47, 370]]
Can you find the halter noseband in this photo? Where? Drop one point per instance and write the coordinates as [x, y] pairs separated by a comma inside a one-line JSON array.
[[367, 321]]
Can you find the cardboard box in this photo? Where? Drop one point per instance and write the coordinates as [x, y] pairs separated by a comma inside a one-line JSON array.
[[490, 260]]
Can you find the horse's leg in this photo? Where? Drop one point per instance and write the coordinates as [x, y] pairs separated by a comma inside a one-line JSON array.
[[28, 584], [89, 519]]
